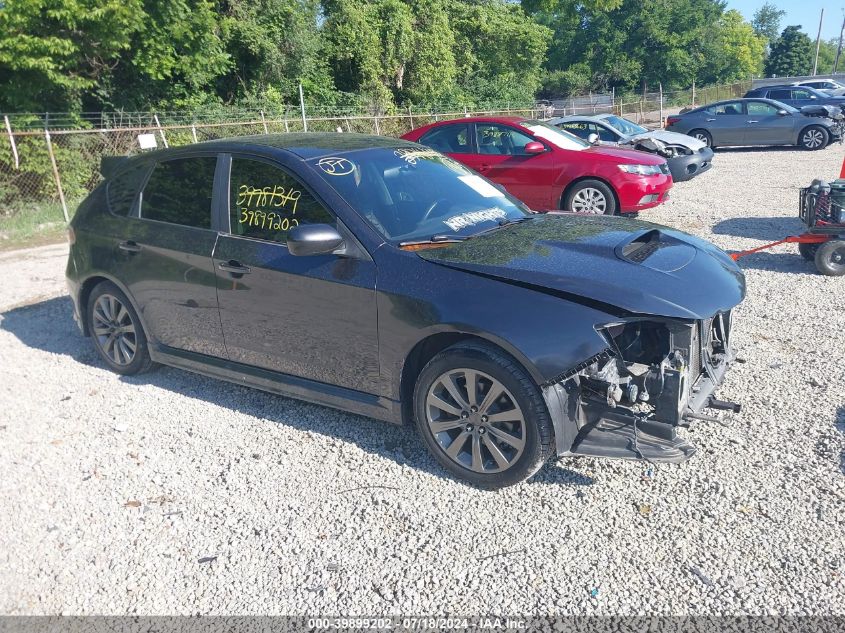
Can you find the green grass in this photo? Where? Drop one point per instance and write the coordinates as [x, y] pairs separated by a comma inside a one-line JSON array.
[[33, 224]]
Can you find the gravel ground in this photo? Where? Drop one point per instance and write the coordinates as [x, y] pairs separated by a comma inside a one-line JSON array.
[[174, 493]]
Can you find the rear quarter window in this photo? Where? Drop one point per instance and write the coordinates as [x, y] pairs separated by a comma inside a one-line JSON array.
[[122, 189]]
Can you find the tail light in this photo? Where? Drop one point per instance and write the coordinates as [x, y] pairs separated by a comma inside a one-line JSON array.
[[672, 120], [71, 236]]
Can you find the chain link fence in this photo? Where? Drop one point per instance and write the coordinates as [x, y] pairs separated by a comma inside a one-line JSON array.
[[49, 163]]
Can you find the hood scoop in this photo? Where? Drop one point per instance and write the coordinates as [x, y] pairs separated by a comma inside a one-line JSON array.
[[656, 250]]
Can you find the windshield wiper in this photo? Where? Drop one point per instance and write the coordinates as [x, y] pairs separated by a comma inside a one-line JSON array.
[[501, 224], [437, 239]]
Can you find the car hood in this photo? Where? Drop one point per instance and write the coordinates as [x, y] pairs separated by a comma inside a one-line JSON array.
[[670, 138], [624, 155], [616, 264]]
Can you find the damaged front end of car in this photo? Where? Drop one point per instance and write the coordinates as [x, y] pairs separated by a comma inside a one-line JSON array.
[[656, 375], [656, 146]]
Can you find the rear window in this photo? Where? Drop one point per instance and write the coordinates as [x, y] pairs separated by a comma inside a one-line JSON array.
[[122, 189], [179, 192]]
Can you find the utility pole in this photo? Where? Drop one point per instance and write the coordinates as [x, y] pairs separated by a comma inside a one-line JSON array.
[[818, 43], [839, 48]]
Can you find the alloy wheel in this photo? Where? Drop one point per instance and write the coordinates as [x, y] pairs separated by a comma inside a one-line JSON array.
[[701, 136], [589, 200], [475, 420], [114, 330], [813, 139]]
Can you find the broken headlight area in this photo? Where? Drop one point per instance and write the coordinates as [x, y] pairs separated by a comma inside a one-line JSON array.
[[655, 376], [656, 146]]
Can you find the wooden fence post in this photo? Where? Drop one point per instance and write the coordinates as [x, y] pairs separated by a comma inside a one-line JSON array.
[[12, 142], [661, 103], [411, 117], [375, 120], [56, 173], [263, 122], [194, 131]]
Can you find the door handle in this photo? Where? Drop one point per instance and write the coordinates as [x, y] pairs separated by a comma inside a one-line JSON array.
[[752, 121], [129, 246], [234, 267], [483, 167], [711, 119]]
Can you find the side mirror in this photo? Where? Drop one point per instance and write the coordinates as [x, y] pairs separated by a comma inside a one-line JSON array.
[[782, 112], [593, 139], [534, 147], [313, 239]]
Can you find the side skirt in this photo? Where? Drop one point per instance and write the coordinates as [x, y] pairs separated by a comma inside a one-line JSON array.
[[286, 385]]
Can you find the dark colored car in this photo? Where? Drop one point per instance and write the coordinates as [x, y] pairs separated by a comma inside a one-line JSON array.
[[687, 157], [381, 277], [796, 96], [548, 168], [755, 122]]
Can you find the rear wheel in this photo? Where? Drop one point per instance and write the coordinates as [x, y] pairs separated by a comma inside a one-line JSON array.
[[703, 136], [830, 258], [482, 417], [116, 330], [590, 196], [813, 137]]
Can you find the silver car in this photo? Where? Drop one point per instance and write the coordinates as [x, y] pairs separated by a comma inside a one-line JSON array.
[[686, 156], [756, 122]]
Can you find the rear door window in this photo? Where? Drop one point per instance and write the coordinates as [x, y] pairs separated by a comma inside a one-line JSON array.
[[450, 139], [728, 109], [179, 192], [266, 202], [780, 95]]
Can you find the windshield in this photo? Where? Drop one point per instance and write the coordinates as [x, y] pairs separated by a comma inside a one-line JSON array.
[[561, 138], [628, 128], [409, 194]]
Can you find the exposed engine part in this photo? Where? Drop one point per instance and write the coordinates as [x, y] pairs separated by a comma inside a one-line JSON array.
[[724, 405]]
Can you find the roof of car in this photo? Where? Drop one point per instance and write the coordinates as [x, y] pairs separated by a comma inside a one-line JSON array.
[[582, 117], [305, 145]]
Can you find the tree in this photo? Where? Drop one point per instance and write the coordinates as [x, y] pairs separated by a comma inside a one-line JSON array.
[[791, 54], [52, 53], [766, 21], [738, 50]]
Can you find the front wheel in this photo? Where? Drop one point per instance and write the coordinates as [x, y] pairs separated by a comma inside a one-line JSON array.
[[808, 250], [482, 416], [830, 258], [590, 196], [813, 137]]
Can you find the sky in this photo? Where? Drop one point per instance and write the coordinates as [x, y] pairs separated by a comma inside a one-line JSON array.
[[803, 12]]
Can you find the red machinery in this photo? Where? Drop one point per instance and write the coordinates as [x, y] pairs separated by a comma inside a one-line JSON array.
[[822, 210]]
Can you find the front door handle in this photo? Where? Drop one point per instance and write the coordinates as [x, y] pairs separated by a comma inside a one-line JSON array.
[[234, 267], [483, 167], [129, 246], [752, 121], [711, 119]]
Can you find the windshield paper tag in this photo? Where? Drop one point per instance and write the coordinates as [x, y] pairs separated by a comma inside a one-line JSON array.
[[481, 186], [458, 222]]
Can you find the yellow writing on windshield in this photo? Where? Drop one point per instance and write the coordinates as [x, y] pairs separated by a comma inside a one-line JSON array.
[[278, 196]]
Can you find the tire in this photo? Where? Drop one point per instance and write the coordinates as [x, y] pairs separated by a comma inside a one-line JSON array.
[[488, 453], [830, 258], [813, 137], [590, 196], [808, 251], [702, 135], [116, 330]]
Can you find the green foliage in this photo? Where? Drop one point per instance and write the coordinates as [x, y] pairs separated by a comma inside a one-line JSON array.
[[636, 44], [766, 21], [791, 54]]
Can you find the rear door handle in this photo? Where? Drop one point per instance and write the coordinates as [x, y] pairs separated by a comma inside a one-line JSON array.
[[234, 267], [483, 167], [752, 121], [129, 246], [711, 119]]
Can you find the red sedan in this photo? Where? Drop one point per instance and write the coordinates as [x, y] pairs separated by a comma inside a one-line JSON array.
[[549, 168]]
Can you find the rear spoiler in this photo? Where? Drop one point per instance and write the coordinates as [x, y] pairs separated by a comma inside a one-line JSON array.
[[110, 164]]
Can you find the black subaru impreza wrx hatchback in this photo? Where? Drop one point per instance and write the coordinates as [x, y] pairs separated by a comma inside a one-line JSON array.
[[381, 277]]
